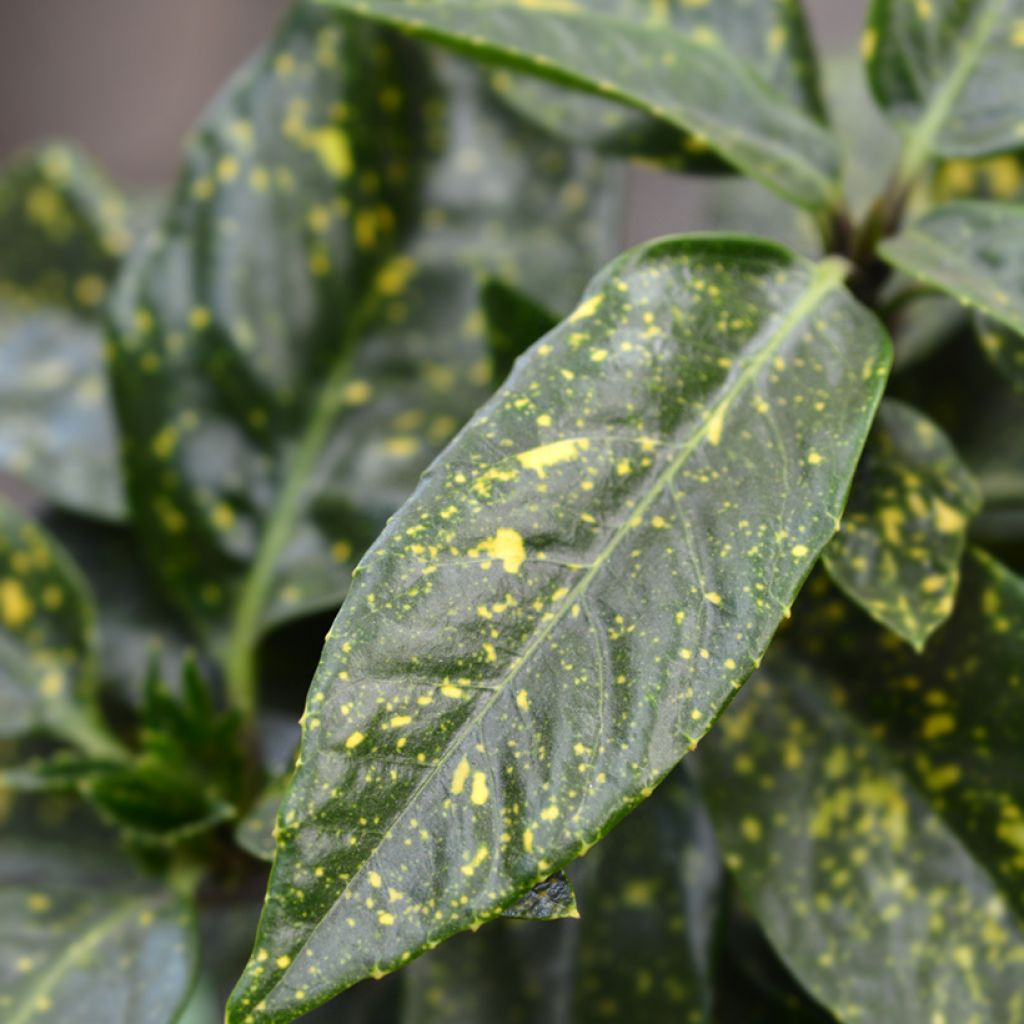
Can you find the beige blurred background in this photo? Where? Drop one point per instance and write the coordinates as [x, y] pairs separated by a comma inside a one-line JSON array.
[[127, 78]]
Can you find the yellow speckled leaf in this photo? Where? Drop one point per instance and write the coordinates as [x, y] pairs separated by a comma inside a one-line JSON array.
[[949, 73], [63, 231], [83, 942], [770, 35], [974, 251], [876, 904], [579, 585], [898, 550], [642, 949], [695, 80], [305, 333], [951, 717], [47, 639]]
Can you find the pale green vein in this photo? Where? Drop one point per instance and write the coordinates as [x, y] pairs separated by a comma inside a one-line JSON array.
[[73, 956], [921, 141]]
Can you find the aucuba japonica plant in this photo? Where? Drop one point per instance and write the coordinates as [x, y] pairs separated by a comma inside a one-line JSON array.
[[356, 363]]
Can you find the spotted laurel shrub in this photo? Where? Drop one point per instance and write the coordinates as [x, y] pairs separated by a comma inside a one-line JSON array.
[[377, 353]]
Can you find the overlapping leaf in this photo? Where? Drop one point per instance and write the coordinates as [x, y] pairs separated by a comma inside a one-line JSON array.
[[135, 624], [47, 639], [948, 73], [574, 592], [897, 553], [974, 251], [644, 945], [284, 368], [80, 942], [63, 231], [950, 718], [877, 905], [693, 81], [771, 37]]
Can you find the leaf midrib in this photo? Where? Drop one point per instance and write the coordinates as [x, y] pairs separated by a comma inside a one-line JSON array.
[[921, 140], [828, 276], [828, 188], [75, 949]]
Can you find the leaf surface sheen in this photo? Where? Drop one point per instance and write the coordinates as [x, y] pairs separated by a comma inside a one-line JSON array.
[[79, 944], [63, 231], [949, 718], [974, 251], [848, 868], [47, 634], [949, 73], [503, 683], [897, 553], [771, 37], [644, 945], [690, 80], [282, 399]]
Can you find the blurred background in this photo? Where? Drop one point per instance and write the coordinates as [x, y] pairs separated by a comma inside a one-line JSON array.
[[127, 78]]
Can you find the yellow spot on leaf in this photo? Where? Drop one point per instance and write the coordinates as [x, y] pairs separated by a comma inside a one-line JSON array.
[[460, 776], [587, 308], [506, 546], [547, 455], [523, 700], [16, 606], [479, 793], [354, 740]]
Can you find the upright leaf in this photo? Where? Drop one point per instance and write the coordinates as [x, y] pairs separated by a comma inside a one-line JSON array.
[[949, 73], [644, 944], [81, 944], [875, 903], [693, 81], [576, 589], [974, 251], [281, 399], [898, 551], [47, 639], [771, 37], [63, 231]]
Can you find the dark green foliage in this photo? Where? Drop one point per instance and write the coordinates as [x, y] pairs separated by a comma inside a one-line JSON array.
[[359, 361]]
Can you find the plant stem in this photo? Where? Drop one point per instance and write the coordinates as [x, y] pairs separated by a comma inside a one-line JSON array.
[[240, 657]]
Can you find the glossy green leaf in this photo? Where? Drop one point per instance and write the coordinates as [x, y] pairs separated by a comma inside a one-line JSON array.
[[528, 647], [514, 322], [949, 73], [694, 81], [974, 251], [875, 903], [63, 231], [549, 900], [897, 553], [643, 947], [281, 400], [82, 942], [950, 718], [771, 37], [47, 639]]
